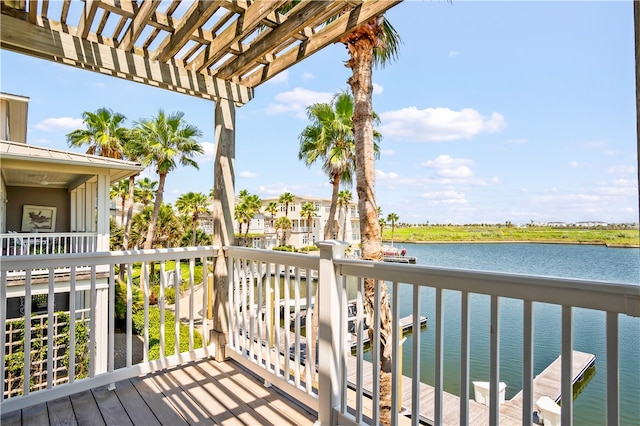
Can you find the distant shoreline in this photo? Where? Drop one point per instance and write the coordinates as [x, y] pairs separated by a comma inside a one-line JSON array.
[[580, 243]]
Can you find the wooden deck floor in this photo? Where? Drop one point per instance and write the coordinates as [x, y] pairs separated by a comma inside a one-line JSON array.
[[204, 392]]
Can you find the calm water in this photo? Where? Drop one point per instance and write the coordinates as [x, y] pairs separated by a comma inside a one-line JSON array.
[[575, 261]]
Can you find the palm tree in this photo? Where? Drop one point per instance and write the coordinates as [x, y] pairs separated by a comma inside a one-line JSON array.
[[393, 218], [272, 209], [344, 199], [193, 204], [145, 190], [382, 223], [308, 211], [375, 42], [104, 133], [283, 223], [120, 190], [329, 138], [166, 141], [286, 199], [239, 214], [246, 210]]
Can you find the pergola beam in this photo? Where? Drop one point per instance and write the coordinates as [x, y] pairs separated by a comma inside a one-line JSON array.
[[138, 24], [197, 15], [20, 36], [327, 35], [233, 33]]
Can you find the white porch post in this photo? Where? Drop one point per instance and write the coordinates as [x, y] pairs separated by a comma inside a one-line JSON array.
[[223, 205], [328, 307], [102, 212]]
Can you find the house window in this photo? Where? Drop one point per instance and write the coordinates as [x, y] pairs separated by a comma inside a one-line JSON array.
[[282, 206], [292, 207]]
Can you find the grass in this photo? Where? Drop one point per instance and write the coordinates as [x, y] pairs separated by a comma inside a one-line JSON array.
[[538, 234]]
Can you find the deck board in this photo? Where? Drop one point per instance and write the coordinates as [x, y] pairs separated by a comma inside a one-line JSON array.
[[157, 402], [110, 407], [138, 411], [86, 409], [35, 415], [61, 412]]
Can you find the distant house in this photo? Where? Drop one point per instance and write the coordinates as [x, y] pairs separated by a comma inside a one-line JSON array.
[[264, 234]]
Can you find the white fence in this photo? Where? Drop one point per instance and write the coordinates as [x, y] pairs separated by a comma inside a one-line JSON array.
[[115, 349], [22, 244]]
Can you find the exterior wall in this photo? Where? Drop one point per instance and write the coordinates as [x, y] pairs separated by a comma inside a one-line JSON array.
[[13, 118], [18, 196]]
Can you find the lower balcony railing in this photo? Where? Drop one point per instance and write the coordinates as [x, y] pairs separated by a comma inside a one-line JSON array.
[[21, 244], [271, 299]]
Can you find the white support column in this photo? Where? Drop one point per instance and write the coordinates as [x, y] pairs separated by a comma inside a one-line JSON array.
[[328, 307], [224, 187], [100, 196]]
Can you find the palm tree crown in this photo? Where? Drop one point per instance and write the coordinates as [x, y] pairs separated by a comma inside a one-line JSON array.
[[165, 142], [104, 134], [286, 199], [193, 204]]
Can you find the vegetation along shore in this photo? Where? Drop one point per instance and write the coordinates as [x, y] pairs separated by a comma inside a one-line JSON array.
[[613, 237]]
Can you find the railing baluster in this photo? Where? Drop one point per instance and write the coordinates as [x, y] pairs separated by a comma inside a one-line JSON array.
[[310, 359], [205, 307], [50, 328], [566, 415], [129, 316], [252, 309], [287, 327], [177, 279], [144, 276], [359, 350], [268, 316], [259, 307], [276, 321], [27, 335], [296, 289], [613, 370], [494, 362], [344, 346], [375, 353], [243, 305], [464, 358], [439, 354], [415, 362], [163, 283], [527, 364], [93, 325], [396, 373]]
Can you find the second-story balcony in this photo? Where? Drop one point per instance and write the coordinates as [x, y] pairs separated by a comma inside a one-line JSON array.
[[132, 339]]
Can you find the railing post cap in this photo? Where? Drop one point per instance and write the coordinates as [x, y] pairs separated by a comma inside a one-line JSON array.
[[335, 247]]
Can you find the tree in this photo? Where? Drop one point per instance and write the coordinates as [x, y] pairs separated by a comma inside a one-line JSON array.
[[145, 190], [286, 199], [164, 142], [283, 223], [375, 42], [272, 209], [104, 134], [393, 218], [245, 211], [193, 204], [344, 199], [120, 190], [308, 211], [329, 138]]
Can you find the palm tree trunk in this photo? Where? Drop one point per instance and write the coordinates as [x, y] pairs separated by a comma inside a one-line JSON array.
[[361, 63], [151, 232], [193, 229], [328, 230]]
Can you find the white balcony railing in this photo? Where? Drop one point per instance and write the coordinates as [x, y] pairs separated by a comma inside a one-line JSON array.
[[105, 341], [270, 326], [21, 244]]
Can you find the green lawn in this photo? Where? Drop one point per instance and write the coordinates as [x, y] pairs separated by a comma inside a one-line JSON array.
[[432, 234]]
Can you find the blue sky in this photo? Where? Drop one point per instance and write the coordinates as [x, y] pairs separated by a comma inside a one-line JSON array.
[[493, 112]]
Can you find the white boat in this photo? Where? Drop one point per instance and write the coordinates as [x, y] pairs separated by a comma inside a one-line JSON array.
[[396, 255]]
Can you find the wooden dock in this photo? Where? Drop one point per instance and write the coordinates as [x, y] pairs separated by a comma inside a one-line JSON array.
[[546, 383]]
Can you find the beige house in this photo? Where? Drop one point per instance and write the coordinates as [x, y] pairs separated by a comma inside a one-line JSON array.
[[302, 234]]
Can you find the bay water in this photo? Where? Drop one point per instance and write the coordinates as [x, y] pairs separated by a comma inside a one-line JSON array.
[[591, 262]]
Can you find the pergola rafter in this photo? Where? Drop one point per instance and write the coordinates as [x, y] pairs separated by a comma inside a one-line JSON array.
[[213, 49]]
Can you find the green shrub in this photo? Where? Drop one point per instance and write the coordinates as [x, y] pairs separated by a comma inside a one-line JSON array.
[[288, 248], [137, 298], [154, 332]]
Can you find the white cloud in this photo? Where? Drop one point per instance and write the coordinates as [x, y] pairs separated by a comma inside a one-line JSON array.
[[248, 174], [54, 124], [296, 101], [280, 78], [574, 163], [520, 141], [438, 124], [308, 76], [445, 197], [448, 167], [387, 152], [621, 169], [209, 151], [378, 89], [453, 53]]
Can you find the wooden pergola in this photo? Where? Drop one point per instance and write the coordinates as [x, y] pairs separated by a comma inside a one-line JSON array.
[[215, 49]]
